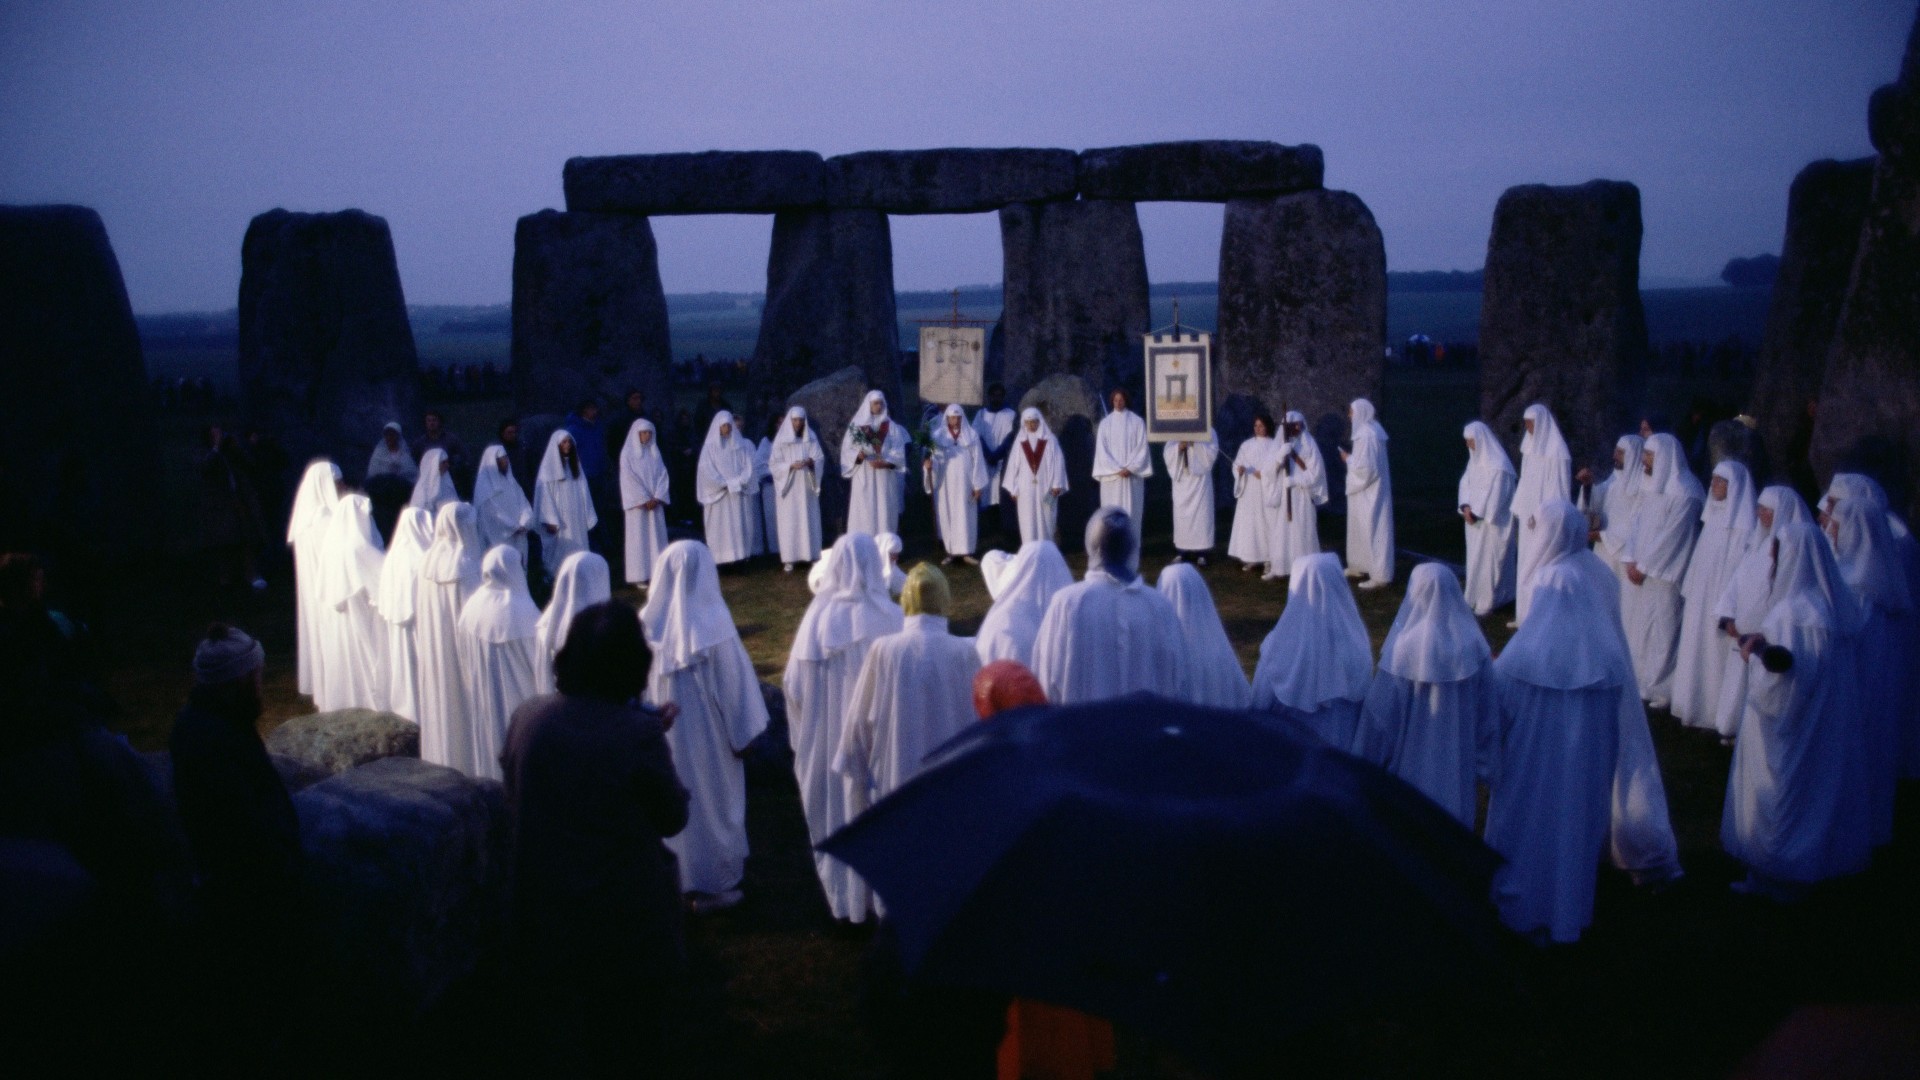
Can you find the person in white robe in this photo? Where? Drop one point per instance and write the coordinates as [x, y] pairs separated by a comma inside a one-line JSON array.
[[644, 497], [1798, 810], [1887, 649], [1666, 516], [391, 456], [502, 514], [1036, 477], [729, 496], [313, 503], [1316, 662], [841, 624], [1190, 468], [1610, 503], [449, 575], [1431, 711], [1546, 473], [769, 498], [994, 423], [954, 475], [398, 604], [1296, 488], [562, 501], [496, 642], [993, 571], [1021, 595], [890, 547], [1370, 548], [1248, 539], [1744, 603], [1485, 497], [796, 463], [583, 580], [760, 539], [1107, 635], [351, 633], [915, 692], [1906, 550], [700, 665], [1214, 675], [1727, 528], [1122, 462], [873, 461], [433, 488]]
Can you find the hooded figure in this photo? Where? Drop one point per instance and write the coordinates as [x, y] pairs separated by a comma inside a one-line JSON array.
[[1021, 594], [1906, 554], [873, 459], [1430, 715], [1546, 473], [1611, 503], [313, 503], [1745, 600], [1190, 468], [391, 456], [890, 549], [1727, 527], [582, 581], [796, 463], [761, 537], [1036, 477], [848, 614], [433, 488], [1666, 516], [700, 665], [399, 606], [1257, 454], [1122, 461], [351, 633], [501, 511], [1294, 487], [449, 575], [1863, 546], [1316, 662], [1370, 549], [1214, 676], [1106, 635], [644, 498], [1485, 499], [993, 570], [727, 491], [955, 473], [562, 500], [496, 642]]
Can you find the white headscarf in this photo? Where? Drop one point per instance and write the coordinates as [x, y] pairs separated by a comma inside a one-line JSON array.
[[1809, 588], [785, 435], [433, 486], [1308, 448], [1434, 637], [1623, 487], [1565, 644], [993, 567], [1365, 420], [1735, 513], [865, 417], [351, 555], [397, 460], [1746, 598], [728, 459], [945, 439], [552, 466], [400, 574], [1486, 462], [490, 483], [455, 552], [1545, 441], [642, 469], [319, 492], [1671, 477], [1318, 651], [1026, 588], [500, 609], [685, 613], [1860, 486], [890, 549], [1863, 546], [854, 605], [1200, 622], [1031, 438], [581, 582]]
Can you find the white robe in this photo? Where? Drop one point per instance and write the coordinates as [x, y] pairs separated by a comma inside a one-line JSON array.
[[769, 499], [1665, 518], [1102, 638], [915, 691], [1316, 662], [1120, 443], [874, 494], [643, 479], [954, 471], [797, 494], [1611, 503], [580, 582], [448, 577], [1214, 675], [1486, 488], [1020, 602], [354, 639], [754, 510], [306, 530], [993, 429], [728, 494], [1033, 490], [561, 502], [1294, 495], [399, 606], [1248, 540], [1727, 528], [495, 639], [1546, 473], [1370, 546], [1190, 466], [501, 510], [1746, 600]]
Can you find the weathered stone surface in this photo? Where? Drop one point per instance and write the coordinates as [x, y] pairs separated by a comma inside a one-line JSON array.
[[406, 871], [711, 182], [831, 401], [334, 742], [326, 354], [949, 181], [1073, 411], [1825, 209], [1303, 307], [1076, 291], [296, 773], [1201, 170], [829, 302], [1561, 321], [74, 416]]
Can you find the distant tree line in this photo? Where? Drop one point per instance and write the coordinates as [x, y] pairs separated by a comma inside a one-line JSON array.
[[1756, 272]]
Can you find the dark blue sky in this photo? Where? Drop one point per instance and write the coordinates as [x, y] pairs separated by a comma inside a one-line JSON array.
[[178, 122]]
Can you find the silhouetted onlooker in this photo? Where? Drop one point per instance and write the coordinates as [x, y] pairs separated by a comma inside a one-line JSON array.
[[231, 524]]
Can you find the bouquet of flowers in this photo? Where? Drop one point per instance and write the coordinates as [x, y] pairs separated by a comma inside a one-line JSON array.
[[866, 439]]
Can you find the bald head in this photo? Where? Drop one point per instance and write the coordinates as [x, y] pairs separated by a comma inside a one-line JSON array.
[[1110, 543]]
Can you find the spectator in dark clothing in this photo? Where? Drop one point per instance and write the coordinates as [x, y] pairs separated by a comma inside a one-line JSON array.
[[589, 437], [508, 436], [591, 793], [583, 423], [633, 407], [231, 525], [703, 419]]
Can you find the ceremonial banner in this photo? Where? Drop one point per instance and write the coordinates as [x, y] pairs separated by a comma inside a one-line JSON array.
[[953, 363], [1179, 386]]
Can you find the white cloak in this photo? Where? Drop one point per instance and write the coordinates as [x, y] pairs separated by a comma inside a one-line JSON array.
[[1021, 598], [727, 492], [1036, 492], [1214, 675], [399, 605], [562, 502], [1190, 465], [643, 479], [1546, 473], [1486, 488], [1248, 540], [1294, 491], [1120, 443], [306, 532], [953, 473], [1727, 528], [874, 494], [915, 691], [1370, 545], [501, 510], [354, 640], [1665, 517], [797, 491], [1102, 638], [495, 639], [448, 578]]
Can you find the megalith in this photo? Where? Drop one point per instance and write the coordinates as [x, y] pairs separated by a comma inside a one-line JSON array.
[[1076, 291], [1825, 209], [326, 354], [1073, 410], [1560, 317], [709, 182], [829, 303], [589, 315], [76, 444]]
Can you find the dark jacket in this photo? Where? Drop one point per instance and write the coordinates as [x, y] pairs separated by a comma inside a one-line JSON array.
[[238, 816]]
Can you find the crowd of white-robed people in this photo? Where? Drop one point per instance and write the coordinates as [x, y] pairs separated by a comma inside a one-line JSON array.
[[1789, 633]]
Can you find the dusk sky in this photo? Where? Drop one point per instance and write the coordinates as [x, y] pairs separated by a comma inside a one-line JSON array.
[[179, 122]]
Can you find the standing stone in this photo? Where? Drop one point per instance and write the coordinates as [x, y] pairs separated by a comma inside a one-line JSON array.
[[589, 316], [829, 303], [326, 355], [1825, 210], [1561, 321], [1073, 410], [76, 445], [1076, 291], [831, 401]]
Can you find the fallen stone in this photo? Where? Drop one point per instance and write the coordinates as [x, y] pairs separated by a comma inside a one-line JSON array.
[[950, 181], [831, 401], [1073, 411], [829, 303], [711, 182], [334, 742], [1076, 292], [1201, 170]]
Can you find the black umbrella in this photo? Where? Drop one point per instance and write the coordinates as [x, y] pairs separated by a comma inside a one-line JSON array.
[[1215, 879]]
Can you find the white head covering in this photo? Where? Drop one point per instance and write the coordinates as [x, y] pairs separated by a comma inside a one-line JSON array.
[[946, 440], [1560, 646], [1200, 622], [993, 567], [1365, 419], [1308, 448], [1629, 475], [1545, 441], [1561, 528], [1747, 597], [685, 613], [642, 468], [1808, 586], [1026, 588], [1434, 637], [1671, 477], [725, 456], [1863, 546], [1044, 432], [785, 434], [890, 549], [319, 491], [854, 605], [1866, 488], [351, 555], [400, 574], [581, 582], [455, 552], [1485, 463], [1735, 513], [865, 417], [490, 481], [500, 609], [433, 486], [1318, 651], [552, 466]]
